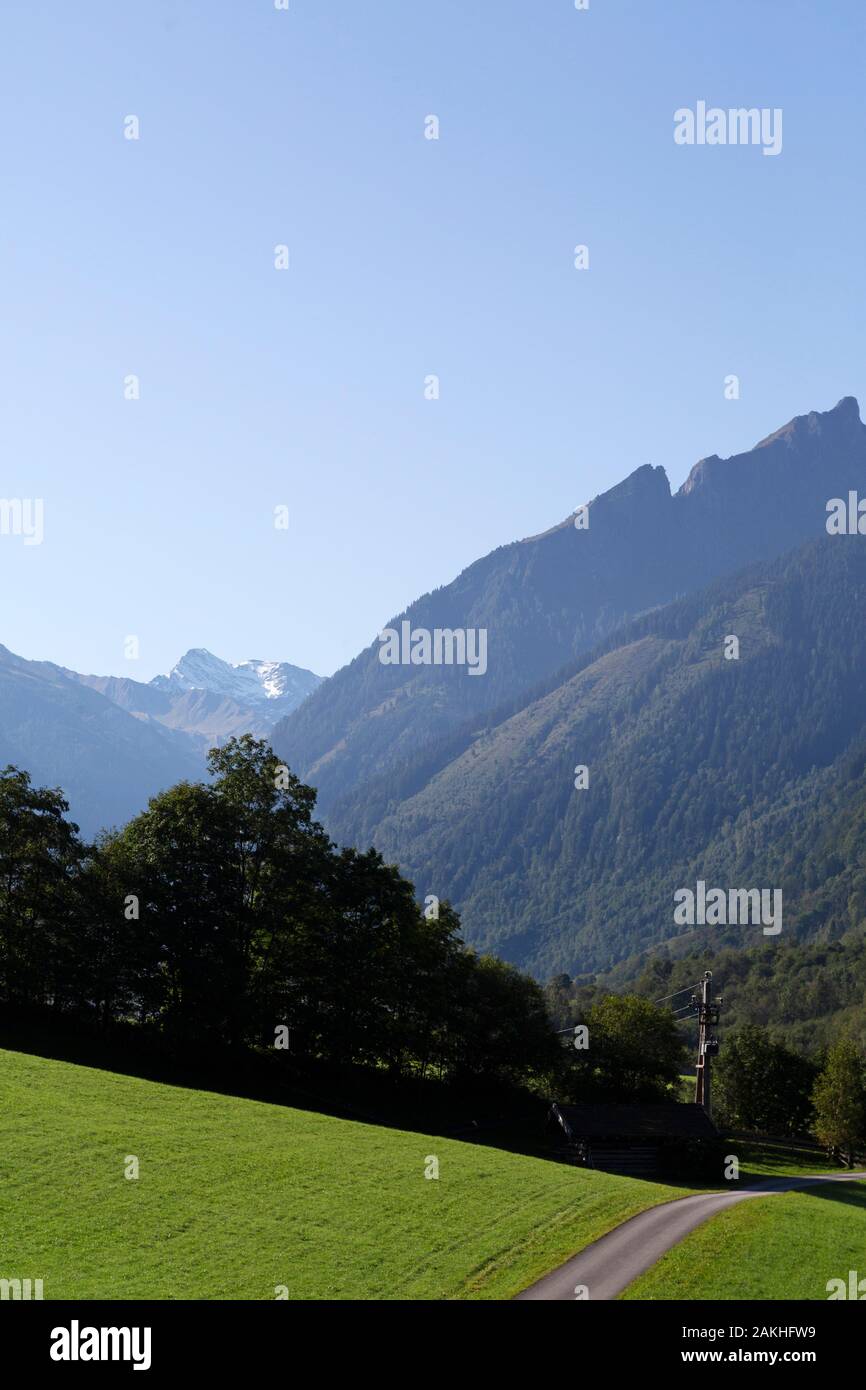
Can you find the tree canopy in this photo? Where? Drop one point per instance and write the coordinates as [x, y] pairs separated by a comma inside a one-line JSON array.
[[224, 916]]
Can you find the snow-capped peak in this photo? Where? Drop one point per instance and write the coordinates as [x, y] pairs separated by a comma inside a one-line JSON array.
[[249, 682]]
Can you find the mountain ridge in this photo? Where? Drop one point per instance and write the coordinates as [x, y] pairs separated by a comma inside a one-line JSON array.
[[546, 598]]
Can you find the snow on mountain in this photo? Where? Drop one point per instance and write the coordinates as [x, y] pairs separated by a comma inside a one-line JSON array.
[[251, 683]]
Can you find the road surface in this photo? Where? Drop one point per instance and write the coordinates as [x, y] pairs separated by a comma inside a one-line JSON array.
[[610, 1264]]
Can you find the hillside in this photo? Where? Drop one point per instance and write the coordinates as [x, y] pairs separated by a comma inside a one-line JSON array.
[[546, 600], [699, 768], [107, 762], [110, 742], [807, 993], [235, 1198]]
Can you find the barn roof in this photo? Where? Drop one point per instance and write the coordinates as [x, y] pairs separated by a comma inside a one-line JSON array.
[[652, 1121]]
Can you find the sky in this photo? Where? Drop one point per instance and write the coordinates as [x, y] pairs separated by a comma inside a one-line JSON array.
[[306, 388]]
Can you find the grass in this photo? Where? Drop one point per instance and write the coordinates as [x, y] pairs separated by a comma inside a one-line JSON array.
[[768, 1158], [781, 1247], [235, 1198]]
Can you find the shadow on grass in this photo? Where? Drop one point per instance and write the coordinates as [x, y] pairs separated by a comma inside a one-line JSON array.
[[767, 1158], [505, 1118], [851, 1194]]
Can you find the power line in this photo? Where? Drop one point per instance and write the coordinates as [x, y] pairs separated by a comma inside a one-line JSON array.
[[684, 1008], [684, 990]]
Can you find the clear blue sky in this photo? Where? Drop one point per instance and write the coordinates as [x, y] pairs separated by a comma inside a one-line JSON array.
[[408, 257]]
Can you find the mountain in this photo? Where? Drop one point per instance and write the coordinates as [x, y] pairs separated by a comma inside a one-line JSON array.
[[605, 648], [274, 687], [107, 761], [111, 742], [743, 773], [546, 600], [211, 699]]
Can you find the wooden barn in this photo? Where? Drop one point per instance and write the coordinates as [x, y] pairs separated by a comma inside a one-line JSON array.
[[638, 1140]]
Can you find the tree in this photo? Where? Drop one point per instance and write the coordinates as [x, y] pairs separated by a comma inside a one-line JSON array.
[[106, 962], [634, 1051], [223, 913], [840, 1100], [40, 856], [762, 1085], [498, 1025], [232, 880]]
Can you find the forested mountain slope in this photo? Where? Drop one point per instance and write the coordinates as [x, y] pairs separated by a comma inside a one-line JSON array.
[[545, 600], [699, 767]]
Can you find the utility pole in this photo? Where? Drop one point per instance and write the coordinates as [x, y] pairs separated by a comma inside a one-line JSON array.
[[708, 1044]]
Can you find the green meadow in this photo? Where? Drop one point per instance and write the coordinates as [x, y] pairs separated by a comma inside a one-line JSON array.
[[787, 1246], [236, 1199]]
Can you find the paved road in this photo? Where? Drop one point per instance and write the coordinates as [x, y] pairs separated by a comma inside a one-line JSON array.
[[608, 1265]]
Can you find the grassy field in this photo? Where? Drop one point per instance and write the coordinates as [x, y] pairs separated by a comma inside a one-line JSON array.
[[235, 1198], [780, 1247], [767, 1158]]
